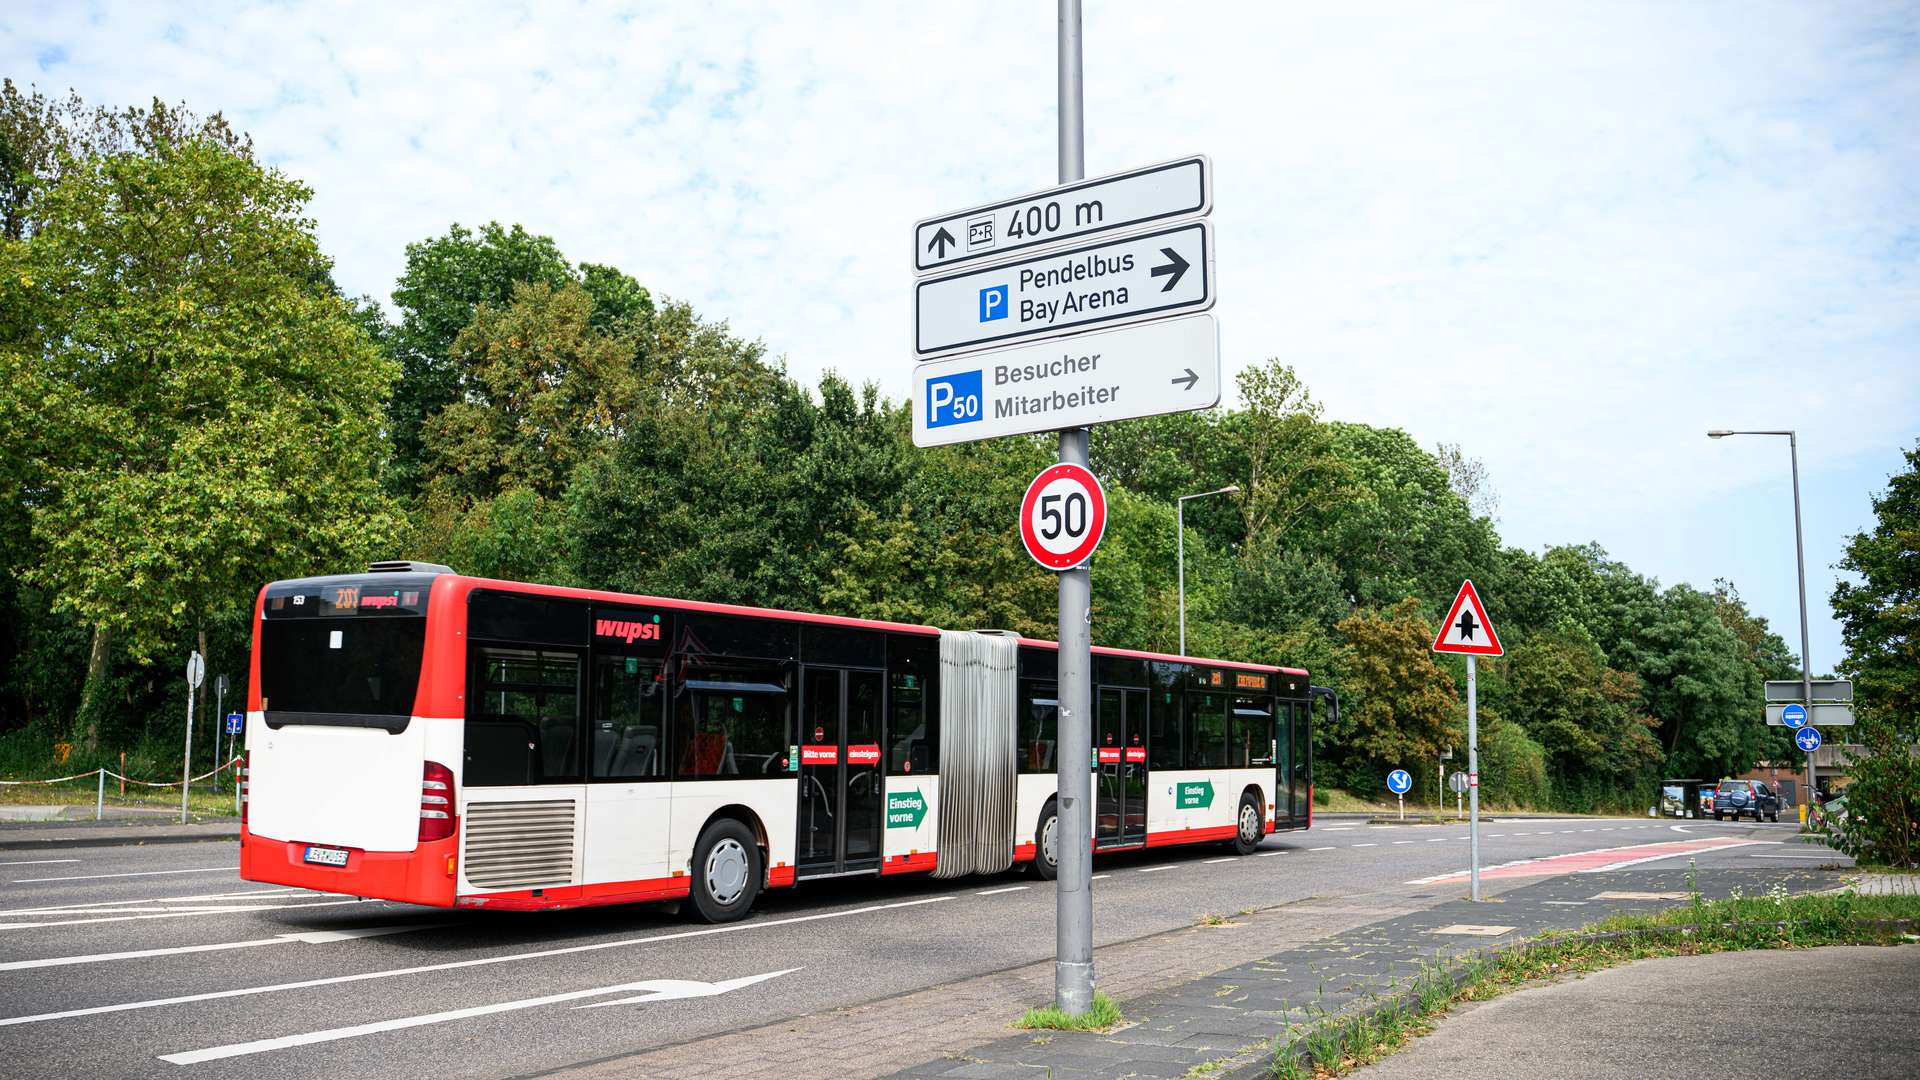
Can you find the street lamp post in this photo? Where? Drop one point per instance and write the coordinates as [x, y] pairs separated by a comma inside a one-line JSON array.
[[1800, 564], [1180, 531]]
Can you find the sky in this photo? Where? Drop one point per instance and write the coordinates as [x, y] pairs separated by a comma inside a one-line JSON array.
[[1570, 237]]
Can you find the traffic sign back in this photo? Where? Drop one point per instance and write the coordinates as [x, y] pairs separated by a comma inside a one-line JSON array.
[[1466, 629]]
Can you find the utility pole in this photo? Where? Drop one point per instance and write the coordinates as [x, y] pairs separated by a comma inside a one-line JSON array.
[[1073, 898]]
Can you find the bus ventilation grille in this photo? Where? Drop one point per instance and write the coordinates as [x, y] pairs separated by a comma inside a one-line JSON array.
[[520, 845]]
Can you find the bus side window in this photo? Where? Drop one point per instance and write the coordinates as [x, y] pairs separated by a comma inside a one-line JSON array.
[[732, 722], [1206, 730], [913, 695], [1039, 713], [523, 724], [628, 718]]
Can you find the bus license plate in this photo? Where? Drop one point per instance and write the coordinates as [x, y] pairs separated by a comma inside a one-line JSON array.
[[327, 856]]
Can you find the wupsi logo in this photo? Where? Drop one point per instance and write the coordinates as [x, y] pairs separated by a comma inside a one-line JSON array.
[[626, 630], [953, 399], [993, 303]]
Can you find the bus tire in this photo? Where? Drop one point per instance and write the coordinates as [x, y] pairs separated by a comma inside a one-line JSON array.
[[1046, 834], [1249, 827], [726, 872]]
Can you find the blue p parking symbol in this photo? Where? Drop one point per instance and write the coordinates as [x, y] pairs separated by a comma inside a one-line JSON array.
[[953, 399], [993, 303]]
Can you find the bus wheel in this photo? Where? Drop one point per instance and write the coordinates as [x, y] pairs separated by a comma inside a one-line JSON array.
[[1246, 835], [726, 872], [1046, 840]]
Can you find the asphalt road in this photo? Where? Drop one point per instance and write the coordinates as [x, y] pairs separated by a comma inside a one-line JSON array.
[[158, 961]]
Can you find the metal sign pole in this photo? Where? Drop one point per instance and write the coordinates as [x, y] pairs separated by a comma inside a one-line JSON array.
[[1800, 565], [1073, 899], [1473, 775], [186, 757], [219, 721]]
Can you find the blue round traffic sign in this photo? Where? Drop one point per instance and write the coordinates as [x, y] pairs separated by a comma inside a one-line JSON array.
[[1794, 716], [1399, 782], [1807, 739]]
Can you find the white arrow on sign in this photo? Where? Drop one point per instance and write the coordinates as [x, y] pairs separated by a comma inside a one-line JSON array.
[[1152, 275], [1105, 204], [1095, 378]]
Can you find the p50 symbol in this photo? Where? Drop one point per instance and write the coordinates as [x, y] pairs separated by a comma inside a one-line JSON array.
[[953, 399]]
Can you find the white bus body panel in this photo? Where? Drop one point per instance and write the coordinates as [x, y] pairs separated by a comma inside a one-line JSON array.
[[338, 786], [1164, 814], [898, 840], [627, 831], [774, 802], [1032, 792]]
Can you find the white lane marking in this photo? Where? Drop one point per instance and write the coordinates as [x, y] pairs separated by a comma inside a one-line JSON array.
[[997, 892], [1823, 858], [1155, 869], [1227, 858], [1566, 903], [1439, 839], [1589, 830], [1399, 842], [1496, 835], [1099, 877], [1264, 854], [454, 965], [136, 873], [309, 937], [175, 913], [1319, 849], [38, 862], [1364, 845], [63, 908], [659, 988]]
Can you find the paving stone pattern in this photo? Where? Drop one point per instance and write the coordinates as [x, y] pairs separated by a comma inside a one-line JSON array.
[[1231, 1017]]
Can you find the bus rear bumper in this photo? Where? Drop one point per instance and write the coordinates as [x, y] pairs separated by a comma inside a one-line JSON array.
[[424, 875]]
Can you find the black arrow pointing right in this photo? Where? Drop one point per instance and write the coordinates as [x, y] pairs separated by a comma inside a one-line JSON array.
[[1189, 378], [1177, 268], [944, 239]]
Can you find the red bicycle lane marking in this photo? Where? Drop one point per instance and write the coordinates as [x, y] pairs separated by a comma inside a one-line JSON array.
[[1588, 862]]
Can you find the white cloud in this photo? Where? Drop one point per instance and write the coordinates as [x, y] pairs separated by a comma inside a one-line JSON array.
[[1569, 236]]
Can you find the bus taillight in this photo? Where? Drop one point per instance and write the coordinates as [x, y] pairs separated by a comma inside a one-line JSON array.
[[246, 760], [436, 802]]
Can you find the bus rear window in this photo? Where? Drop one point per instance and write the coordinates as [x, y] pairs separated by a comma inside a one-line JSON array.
[[341, 673]]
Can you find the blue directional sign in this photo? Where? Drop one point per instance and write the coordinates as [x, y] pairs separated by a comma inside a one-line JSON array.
[[236, 723], [1399, 782], [1807, 739], [1794, 716]]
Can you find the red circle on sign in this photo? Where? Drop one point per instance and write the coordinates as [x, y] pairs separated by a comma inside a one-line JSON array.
[[1063, 516]]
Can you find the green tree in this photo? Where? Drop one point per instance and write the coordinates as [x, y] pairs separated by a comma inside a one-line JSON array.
[[1398, 705], [1880, 623], [205, 407], [446, 278]]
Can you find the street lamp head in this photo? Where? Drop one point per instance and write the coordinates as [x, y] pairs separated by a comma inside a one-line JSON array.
[[1233, 490], [1718, 433]]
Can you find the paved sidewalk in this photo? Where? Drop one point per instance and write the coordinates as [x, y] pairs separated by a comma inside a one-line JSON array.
[[1226, 1021], [1863, 1023], [18, 836], [1872, 884]]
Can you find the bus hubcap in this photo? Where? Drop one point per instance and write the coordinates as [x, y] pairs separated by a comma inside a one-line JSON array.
[[1047, 837], [726, 871], [1249, 823]]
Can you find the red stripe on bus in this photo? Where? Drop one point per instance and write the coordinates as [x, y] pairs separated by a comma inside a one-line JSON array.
[[916, 863], [1189, 836]]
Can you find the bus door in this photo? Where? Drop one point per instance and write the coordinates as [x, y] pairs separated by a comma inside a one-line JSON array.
[[1120, 756], [840, 797]]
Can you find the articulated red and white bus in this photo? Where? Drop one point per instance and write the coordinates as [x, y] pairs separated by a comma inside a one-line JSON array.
[[417, 735]]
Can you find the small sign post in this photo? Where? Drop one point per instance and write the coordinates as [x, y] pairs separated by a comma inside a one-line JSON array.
[[1458, 784], [1468, 631], [196, 674], [1400, 781], [219, 709]]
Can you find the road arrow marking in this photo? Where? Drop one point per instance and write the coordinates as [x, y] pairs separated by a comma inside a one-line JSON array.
[[1189, 378], [310, 937], [944, 239], [1177, 268], [675, 989], [658, 989]]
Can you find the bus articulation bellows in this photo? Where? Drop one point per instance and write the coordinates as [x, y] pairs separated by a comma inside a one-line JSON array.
[[421, 736]]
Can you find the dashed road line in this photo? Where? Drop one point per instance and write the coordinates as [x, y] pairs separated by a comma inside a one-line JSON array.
[[1365, 845], [1156, 869], [1264, 854], [311, 937], [1227, 858], [38, 862], [997, 892], [1319, 849]]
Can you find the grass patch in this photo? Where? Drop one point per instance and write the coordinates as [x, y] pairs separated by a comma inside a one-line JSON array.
[[1210, 919], [1102, 1016], [1330, 1045], [202, 800]]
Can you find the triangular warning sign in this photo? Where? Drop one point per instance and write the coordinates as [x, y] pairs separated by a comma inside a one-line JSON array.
[[1466, 629]]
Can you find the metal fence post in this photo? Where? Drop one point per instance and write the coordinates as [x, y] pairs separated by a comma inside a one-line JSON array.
[[100, 799]]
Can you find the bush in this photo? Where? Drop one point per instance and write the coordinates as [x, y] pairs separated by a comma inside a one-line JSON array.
[[1513, 768]]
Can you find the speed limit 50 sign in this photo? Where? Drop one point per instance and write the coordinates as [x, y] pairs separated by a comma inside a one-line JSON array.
[[1063, 516]]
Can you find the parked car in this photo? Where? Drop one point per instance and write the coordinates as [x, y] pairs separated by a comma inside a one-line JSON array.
[[1738, 797]]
